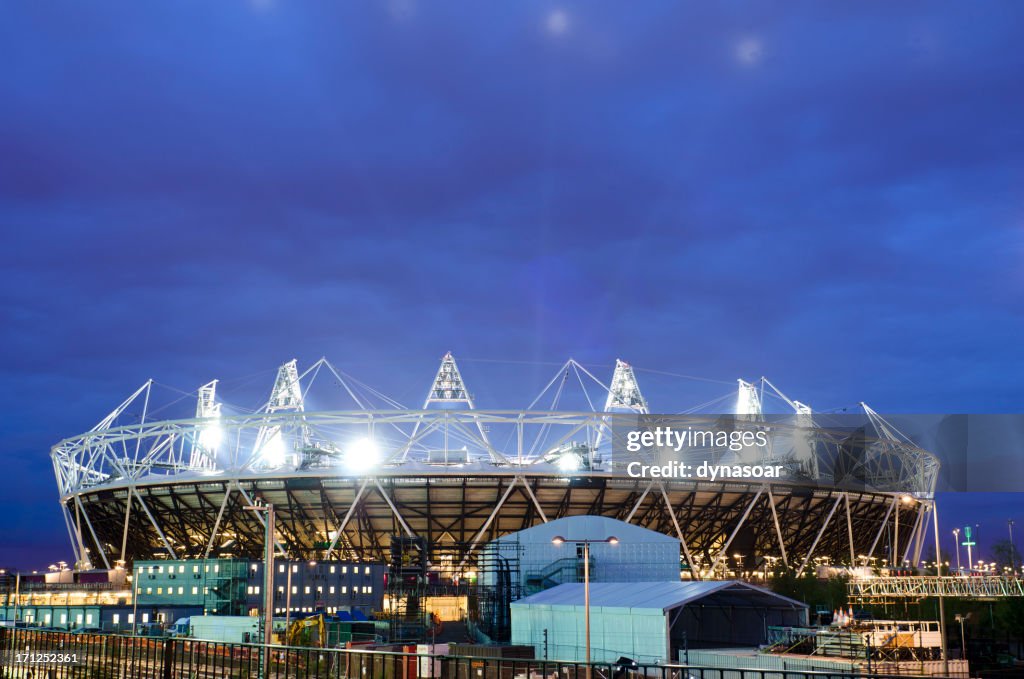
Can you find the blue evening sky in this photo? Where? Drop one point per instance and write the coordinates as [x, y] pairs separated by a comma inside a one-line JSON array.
[[829, 194]]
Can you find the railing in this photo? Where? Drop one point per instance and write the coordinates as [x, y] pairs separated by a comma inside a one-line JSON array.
[[922, 586], [33, 653]]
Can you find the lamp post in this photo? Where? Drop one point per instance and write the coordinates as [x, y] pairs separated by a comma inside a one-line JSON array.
[[268, 583], [1013, 562], [611, 540], [956, 540]]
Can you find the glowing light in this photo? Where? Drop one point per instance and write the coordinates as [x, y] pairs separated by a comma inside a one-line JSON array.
[[558, 22], [569, 462], [749, 51], [211, 436], [557, 540], [273, 451], [362, 455]]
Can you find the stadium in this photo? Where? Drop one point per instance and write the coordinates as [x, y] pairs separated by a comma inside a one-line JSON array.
[[351, 483]]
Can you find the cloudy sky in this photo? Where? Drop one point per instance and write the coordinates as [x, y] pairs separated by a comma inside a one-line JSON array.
[[829, 194]]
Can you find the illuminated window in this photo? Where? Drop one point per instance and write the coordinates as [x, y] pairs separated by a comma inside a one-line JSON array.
[[280, 588], [344, 569], [159, 590], [115, 618], [319, 589], [367, 571], [181, 590], [195, 590], [344, 589], [149, 590], [295, 568], [181, 568], [280, 569], [159, 569], [216, 568], [295, 589], [145, 618], [253, 567], [78, 619], [249, 589], [195, 568], [307, 589], [64, 618], [88, 618], [332, 569], [331, 590], [256, 589]]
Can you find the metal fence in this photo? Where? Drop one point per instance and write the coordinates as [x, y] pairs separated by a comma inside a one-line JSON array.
[[35, 654]]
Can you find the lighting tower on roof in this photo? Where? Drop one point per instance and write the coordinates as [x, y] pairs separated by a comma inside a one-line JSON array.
[[624, 392], [748, 402], [448, 386], [272, 448], [204, 447]]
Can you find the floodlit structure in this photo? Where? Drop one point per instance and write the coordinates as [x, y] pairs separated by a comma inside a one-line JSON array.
[[345, 481]]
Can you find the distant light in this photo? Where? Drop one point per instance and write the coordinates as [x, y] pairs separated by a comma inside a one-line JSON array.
[[613, 540], [906, 499], [558, 22], [749, 51], [557, 540], [362, 456]]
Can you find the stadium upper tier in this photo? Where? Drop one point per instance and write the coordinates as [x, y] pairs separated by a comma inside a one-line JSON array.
[[378, 442]]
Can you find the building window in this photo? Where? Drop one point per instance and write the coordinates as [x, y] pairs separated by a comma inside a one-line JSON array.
[[280, 569], [63, 618], [344, 569], [295, 568], [195, 590], [280, 588], [307, 589], [332, 569], [88, 618], [206, 590], [344, 589], [195, 569], [78, 619], [131, 618], [216, 568], [319, 589], [159, 590], [181, 590], [159, 569], [248, 589], [256, 589], [145, 618], [331, 590], [367, 571], [139, 590], [115, 618], [149, 590], [253, 568], [295, 589], [181, 568]]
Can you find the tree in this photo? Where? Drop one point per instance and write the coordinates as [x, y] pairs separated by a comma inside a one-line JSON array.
[[1006, 555]]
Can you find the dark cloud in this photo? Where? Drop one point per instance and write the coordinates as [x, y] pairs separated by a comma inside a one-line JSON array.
[[825, 194]]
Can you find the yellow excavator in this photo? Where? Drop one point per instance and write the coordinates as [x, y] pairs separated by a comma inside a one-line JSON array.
[[309, 631]]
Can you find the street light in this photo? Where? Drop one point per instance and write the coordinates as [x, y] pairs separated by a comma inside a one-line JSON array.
[[268, 582], [611, 540], [956, 540], [1013, 561]]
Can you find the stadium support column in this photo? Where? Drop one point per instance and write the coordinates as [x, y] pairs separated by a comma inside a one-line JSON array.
[[938, 573]]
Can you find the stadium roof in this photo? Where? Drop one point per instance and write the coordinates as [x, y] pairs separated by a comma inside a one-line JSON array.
[[664, 596]]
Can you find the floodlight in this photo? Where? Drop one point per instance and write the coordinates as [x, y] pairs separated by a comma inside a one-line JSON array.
[[362, 455], [569, 462]]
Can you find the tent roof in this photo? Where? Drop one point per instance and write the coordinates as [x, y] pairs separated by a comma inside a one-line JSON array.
[[664, 596]]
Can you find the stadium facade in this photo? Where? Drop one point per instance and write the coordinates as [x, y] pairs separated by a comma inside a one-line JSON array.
[[345, 483]]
